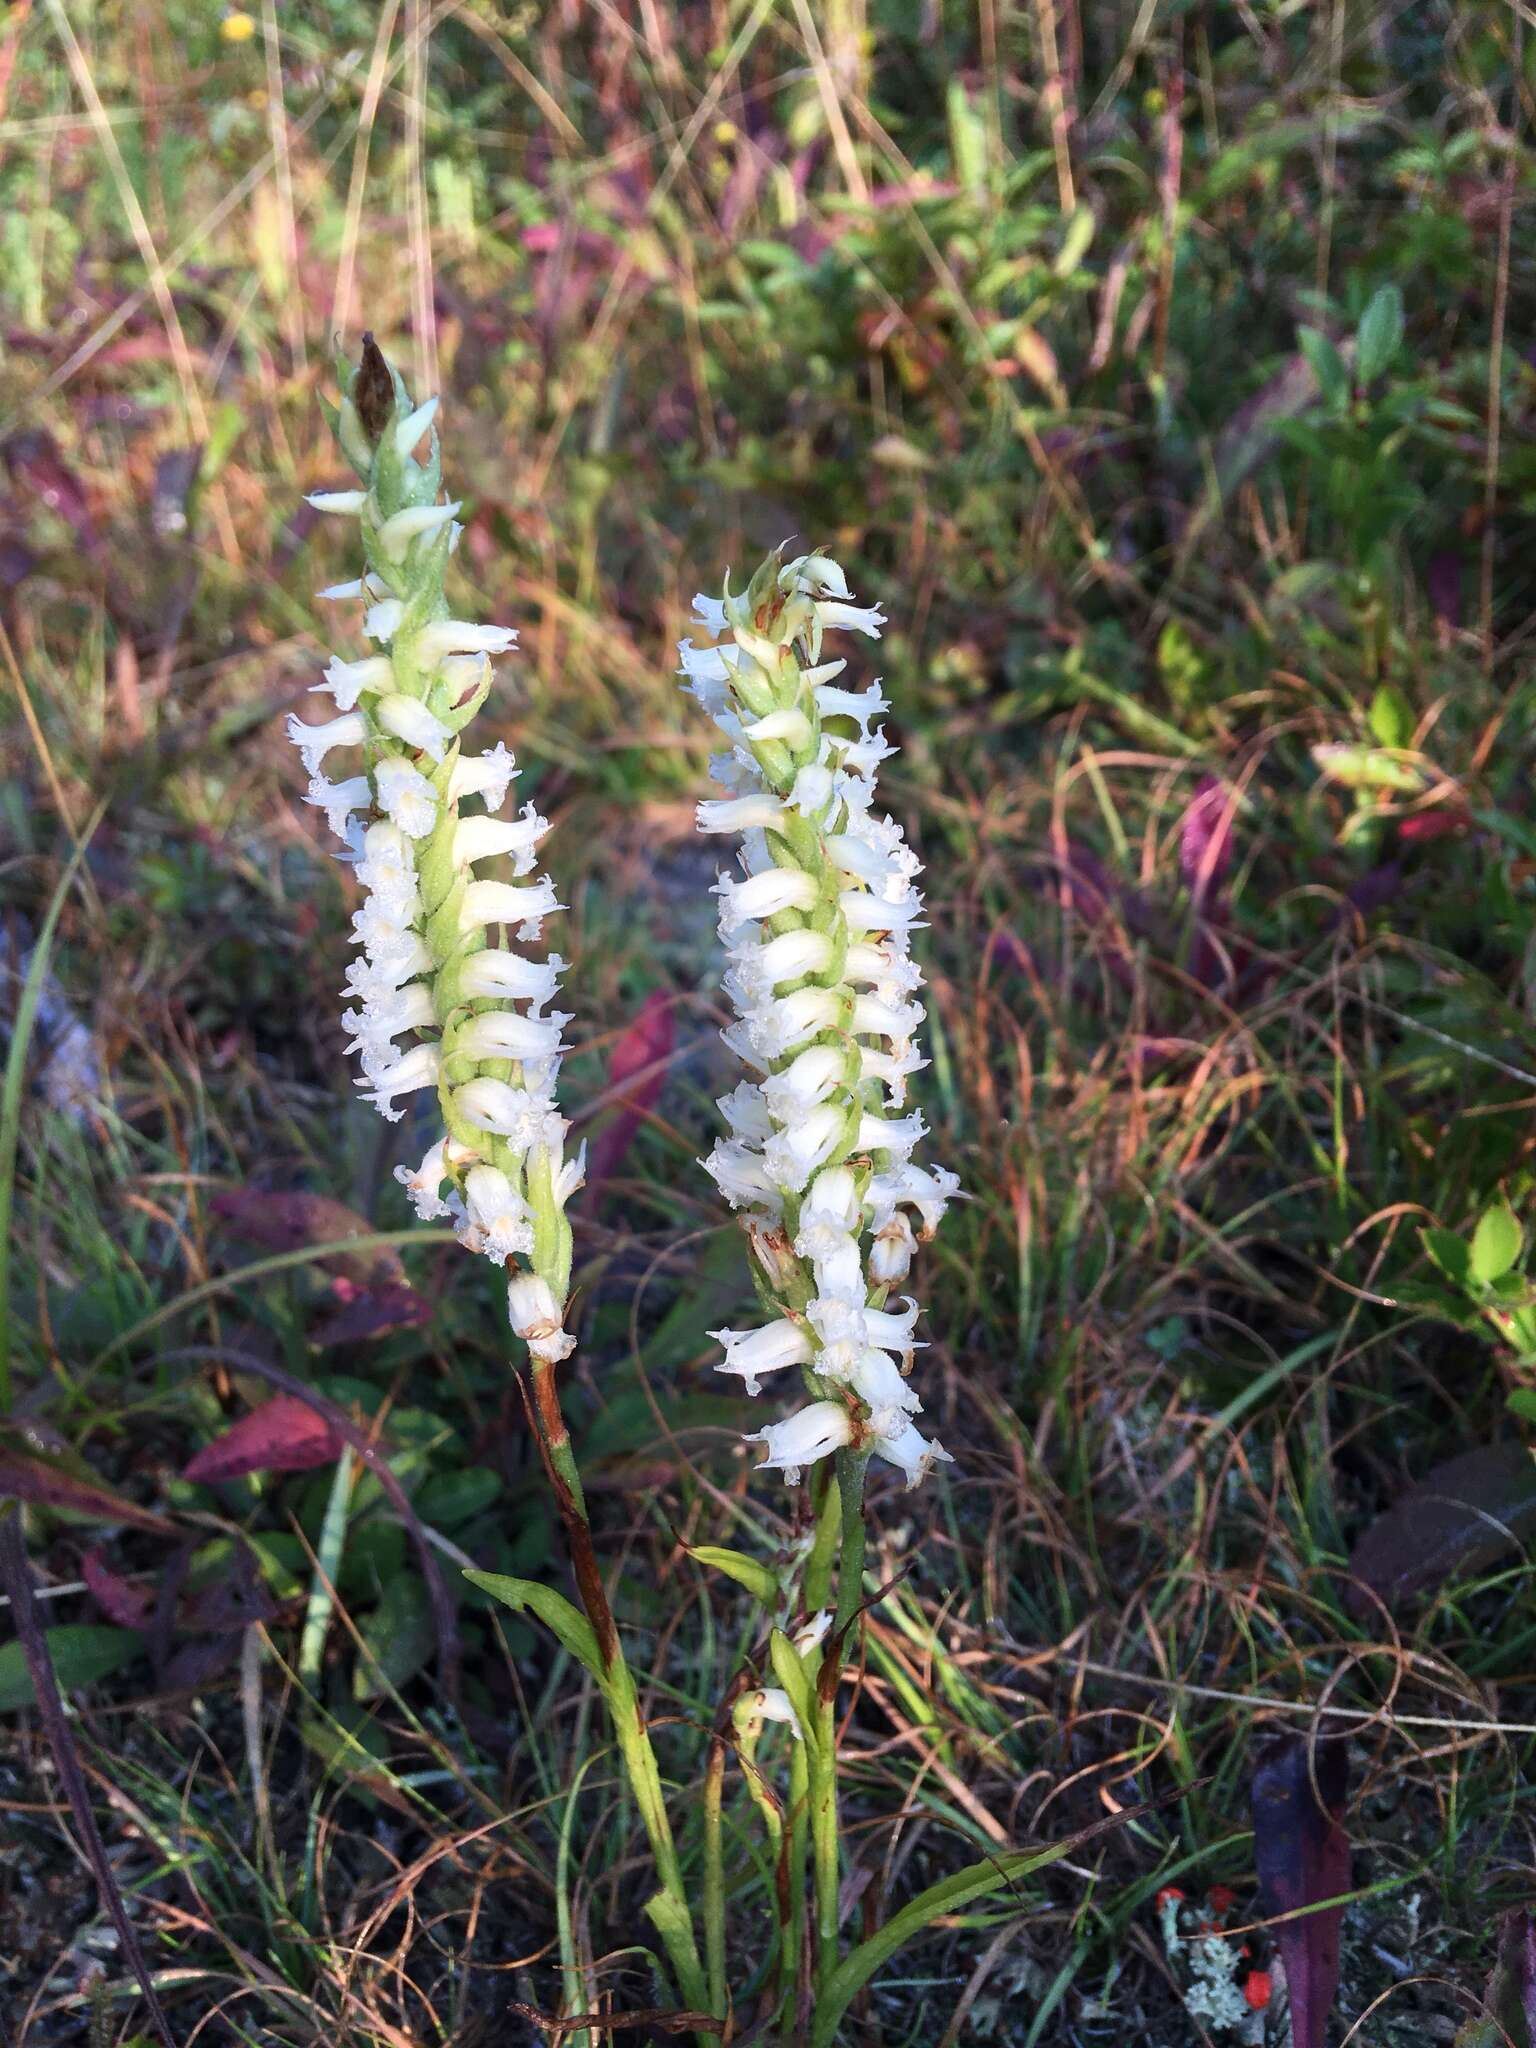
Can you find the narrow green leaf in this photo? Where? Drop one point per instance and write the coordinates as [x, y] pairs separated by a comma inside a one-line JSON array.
[[1076, 242], [15, 1074], [949, 1895], [967, 138], [527, 1596], [746, 1571], [791, 1674]]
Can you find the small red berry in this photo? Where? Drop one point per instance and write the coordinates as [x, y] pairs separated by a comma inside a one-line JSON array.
[[1257, 1989]]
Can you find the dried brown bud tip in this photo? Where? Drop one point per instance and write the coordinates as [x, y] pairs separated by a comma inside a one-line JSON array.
[[373, 391]]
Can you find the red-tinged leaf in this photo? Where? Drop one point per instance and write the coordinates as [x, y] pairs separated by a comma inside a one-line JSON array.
[[1427, 826], [370, 1312], [38, 469], [1460, 1516], [637, 1069], [65, 1485], [282, 1435], [1302, 1855], [286, 1220], [128, 1605], [1205, 840]]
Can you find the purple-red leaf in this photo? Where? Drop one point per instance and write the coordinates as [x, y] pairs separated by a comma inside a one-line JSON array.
[[38, 468], [1302, 1855], [370, 1312], [49, 1482], [1205, 840], [1458, 1517], [282, 1435], [286, 1220], [128, 1605], [637, 1069]]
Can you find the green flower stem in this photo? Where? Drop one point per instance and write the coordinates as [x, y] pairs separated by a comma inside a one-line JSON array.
[[570, 1968], [557, 1439], [668, 1911], [794, 1934], [822, 1759], [816, 1587], [785, 1893], [851, 1468], [714, 1875]]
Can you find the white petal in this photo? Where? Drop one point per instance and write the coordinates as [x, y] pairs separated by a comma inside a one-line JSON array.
[[414, 521], [410, 430]]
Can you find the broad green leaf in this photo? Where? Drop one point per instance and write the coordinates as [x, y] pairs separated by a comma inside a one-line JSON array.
[[1452, 1254], [1391, 717], [949, 1895], [1370, 768], [627, 1424], [446, 1499], [398, 1635], [746, 1571], [82, 1652], [526, 1596], [1496, 1243], [1326, 365], [1381, 333]]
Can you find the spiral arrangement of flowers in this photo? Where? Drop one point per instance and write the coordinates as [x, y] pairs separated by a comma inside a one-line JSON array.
[[817, 926], [439, 999]]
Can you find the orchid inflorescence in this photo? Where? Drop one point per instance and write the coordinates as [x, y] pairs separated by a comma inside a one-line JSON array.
[[817, 928], [476, 1013], [819, 1160]]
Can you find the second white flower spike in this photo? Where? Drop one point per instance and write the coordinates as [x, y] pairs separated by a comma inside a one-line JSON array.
[[817, 924]]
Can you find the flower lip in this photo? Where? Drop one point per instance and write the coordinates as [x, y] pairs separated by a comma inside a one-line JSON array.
[[813, 1433], [764, 895]]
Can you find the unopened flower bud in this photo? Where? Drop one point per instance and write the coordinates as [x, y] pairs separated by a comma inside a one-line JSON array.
[[536, 1318]]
